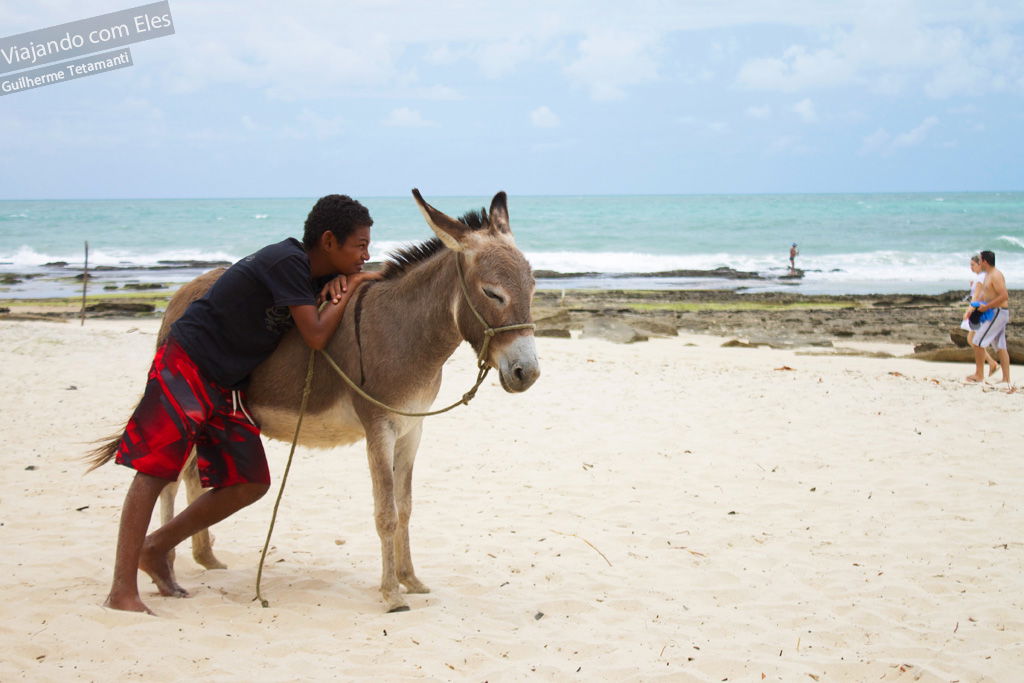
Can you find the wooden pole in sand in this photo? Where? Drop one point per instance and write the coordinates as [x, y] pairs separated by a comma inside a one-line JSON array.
[[85, 280]]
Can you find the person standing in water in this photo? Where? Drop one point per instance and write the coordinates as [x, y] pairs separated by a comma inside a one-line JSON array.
[[793, 252]]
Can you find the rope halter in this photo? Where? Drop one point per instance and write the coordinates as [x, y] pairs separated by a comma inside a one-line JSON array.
[[489, 332]]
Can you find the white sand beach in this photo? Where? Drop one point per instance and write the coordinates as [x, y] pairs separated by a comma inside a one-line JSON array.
[[668, 510]]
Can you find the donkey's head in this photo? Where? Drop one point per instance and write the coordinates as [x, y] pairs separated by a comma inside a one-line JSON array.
[[499, 287]]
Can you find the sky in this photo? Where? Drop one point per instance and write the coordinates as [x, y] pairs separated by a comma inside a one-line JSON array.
[[574, 97]]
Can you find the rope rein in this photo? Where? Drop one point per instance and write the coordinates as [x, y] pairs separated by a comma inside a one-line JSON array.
[[284, 478], [482, 369]]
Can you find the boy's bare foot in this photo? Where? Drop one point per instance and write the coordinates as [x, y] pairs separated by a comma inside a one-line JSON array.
[[973, 379], [158, 567], [131, 603]]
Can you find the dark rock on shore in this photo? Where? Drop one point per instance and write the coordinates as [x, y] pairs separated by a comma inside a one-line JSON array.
[[555, 275], [144, 285], [166, 265], [120, 307], [611, 329], [192, 264], [1014, 347], [779, 318], [945, 354], [724, 273]]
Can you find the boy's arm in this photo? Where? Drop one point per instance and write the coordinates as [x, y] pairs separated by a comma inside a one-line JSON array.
[[317, 327]]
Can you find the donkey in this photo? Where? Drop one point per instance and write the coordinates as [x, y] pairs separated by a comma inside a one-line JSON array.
[[394, 339]]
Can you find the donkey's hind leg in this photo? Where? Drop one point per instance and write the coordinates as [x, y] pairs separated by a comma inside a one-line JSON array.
[[167, 495], [202, 541], [405, 455]]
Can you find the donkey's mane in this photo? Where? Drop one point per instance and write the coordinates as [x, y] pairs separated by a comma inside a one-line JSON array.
[[400, 262]]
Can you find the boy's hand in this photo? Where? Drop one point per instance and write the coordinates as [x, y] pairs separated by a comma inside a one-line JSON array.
[[333, 290]]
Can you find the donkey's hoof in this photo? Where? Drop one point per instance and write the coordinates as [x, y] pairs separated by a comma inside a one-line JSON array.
[[414, 585], [394, 602], [210, 562]]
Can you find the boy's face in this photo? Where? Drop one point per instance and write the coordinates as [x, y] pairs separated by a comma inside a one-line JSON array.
[[348, 257]]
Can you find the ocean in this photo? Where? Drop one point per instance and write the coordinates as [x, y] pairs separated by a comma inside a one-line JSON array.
[[849, 243]]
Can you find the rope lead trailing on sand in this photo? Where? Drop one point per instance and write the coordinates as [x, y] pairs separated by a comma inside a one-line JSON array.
[[284, 477]]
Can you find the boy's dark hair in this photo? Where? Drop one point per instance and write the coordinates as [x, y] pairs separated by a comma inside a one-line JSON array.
[[988, 257], [338, 213]]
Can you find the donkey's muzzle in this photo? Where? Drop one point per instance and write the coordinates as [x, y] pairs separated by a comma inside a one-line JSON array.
[[518, 367]]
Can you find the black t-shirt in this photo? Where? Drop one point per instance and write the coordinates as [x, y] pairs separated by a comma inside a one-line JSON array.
[[238, 323]]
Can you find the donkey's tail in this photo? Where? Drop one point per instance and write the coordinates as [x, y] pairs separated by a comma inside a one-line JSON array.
[[103, 453]]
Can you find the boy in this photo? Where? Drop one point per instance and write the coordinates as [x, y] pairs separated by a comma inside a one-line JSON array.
[[198, 376]]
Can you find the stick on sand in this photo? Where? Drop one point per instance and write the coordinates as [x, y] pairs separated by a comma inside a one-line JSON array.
[[85, 281]]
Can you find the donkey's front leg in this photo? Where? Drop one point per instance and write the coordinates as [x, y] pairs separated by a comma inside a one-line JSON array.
[[380, 450], [405, 456]]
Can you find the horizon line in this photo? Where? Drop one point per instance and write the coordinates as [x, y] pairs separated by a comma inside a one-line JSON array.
[[552, 195]]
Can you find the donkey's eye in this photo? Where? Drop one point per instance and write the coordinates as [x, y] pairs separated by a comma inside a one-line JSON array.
[[494, 295]]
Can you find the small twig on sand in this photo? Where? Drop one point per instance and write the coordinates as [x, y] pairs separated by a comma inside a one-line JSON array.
[[562, 533], [85, 281]]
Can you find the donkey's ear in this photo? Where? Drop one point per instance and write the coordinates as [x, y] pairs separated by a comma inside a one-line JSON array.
[[498, 215], [449, 230]]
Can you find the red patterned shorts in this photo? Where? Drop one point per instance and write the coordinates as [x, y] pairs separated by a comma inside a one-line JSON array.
[[181, 409]]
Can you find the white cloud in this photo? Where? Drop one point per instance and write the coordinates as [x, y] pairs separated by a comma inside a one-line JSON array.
[[315, 51], [805, 110], [759, 112], [403, 117], [313, 125], [881, 142], [796, 70], [786, 144], [543, 117], [717, 127], [875, 142], [610, 61], [916, 136], [890, 47], [500, 59], [140, 107], [443, 54], [437, 92], [724, 49]]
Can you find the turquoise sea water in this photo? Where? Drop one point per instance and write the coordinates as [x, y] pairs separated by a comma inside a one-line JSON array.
[[848, 242]]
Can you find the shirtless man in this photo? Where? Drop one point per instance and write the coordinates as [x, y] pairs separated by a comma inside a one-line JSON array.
[[994, 304]]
